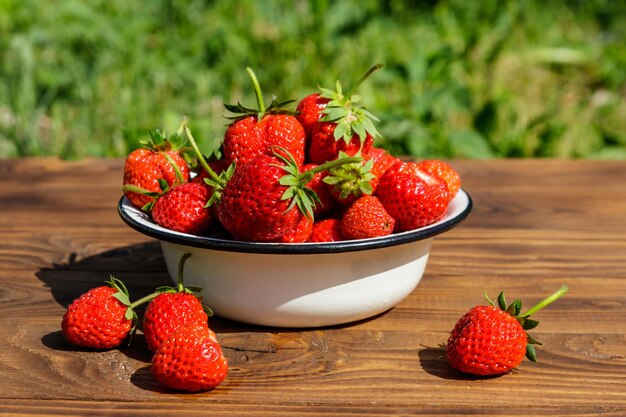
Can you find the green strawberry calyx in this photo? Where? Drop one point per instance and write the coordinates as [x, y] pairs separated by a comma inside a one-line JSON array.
[[351, 179], [122, 295], [302, 196], [160, 142], [350, 117], [276, 107], [515, 308]]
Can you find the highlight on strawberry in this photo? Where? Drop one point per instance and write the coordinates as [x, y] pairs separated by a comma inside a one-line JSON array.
[[492, 340]]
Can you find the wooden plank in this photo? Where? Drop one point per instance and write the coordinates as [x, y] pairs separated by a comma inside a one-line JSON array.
[[536, 224]]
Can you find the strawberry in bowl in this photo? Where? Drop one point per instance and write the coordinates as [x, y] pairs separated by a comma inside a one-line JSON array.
[[291, 239]]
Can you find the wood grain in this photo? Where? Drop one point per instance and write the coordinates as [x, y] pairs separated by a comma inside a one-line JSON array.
[[536, 224]]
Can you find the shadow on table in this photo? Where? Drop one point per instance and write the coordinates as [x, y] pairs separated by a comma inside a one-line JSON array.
[[142, 269]]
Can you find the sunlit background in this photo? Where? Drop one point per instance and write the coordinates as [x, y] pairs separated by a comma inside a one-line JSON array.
[[462, 79]]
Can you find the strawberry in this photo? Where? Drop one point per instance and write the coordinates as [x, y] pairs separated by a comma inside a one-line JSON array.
[[326, 230], [412, 197], [254, 131], [172, 309], [257, 202], [251, 207], [101, 318], [309, 111], [184, 209], [492, 340], [383, 160], [345, 126], [366, 218], [146, 168], [300, 233], [443, 170], [325, 145], [191, 359]]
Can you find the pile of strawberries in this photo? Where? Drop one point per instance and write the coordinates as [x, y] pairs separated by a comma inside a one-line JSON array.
[[186, 352], [309, 175]]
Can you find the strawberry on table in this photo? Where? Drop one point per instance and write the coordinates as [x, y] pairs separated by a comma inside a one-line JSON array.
[[146, 168], [101, 318], [411, 196], [366, 218], [172, 309], [492, 340], [254, 131], [191, 359]]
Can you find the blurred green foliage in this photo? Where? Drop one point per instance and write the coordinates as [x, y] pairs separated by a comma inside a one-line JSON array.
[[480, 79]]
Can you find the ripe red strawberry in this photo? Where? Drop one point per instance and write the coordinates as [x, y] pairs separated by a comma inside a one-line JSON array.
[[184, 209], [445, 171], [101, 318], [255, 131], [190, 360], [383, 160], [146, 168], [310, 111], [257, 203], [325, 146], [172, 309], [252, 208], [300, 233], [326, 230], [491, 340], [412, 197], [366, 218], [345, 126]]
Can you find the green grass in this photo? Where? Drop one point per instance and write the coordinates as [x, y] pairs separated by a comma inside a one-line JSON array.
[[461, 79]]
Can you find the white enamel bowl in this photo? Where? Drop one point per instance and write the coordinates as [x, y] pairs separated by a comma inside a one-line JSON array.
[[302, 284]]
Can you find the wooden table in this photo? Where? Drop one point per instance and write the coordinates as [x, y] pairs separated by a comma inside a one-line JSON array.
[[536, 224]]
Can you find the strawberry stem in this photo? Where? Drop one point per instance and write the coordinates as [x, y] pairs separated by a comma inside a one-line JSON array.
[[331, 164], [560, 292], [137, 189], [179, 175], [181, 268], [257, 91], [201, 159], [143, 300], [364, 77]]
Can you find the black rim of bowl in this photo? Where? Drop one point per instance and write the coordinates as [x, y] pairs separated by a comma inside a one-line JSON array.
[[290, 248]]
